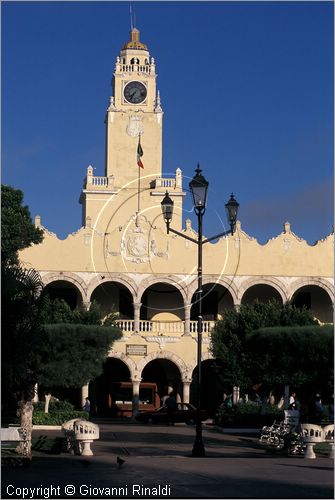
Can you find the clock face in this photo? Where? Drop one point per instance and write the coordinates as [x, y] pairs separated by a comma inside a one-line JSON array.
[[135, 92]]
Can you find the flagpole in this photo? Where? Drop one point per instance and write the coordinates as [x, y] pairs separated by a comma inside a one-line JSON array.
[[138, 193], [139, 163]]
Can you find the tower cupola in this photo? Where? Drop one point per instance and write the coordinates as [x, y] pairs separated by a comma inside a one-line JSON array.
[[134, 42]]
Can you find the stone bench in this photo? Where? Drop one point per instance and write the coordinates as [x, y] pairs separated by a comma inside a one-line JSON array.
[[79, 435], [15, 435]]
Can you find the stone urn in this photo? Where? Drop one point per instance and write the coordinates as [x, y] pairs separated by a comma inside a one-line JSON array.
[[328, 435], [85, 432], [311, 434]]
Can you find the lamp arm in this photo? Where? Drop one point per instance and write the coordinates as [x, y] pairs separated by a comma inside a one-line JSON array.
[[231, 231], [182, 235]]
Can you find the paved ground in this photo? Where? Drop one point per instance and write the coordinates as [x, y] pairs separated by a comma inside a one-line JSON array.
[[159, 458]]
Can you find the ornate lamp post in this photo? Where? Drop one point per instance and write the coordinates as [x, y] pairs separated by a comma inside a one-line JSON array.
[[199, 188]]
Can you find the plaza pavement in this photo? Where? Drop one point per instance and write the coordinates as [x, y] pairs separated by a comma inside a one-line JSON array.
[[159, 458]]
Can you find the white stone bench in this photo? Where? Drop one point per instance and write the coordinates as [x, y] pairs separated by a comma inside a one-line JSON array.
[[15, 434], [80, 434]]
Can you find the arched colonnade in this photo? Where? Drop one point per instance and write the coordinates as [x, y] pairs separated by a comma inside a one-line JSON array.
[[168, 304]]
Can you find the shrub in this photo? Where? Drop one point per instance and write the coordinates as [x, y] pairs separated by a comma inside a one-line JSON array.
[[55, 406], [248, 415], [57, 418]]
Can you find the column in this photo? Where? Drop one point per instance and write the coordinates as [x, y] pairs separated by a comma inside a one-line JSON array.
[[186, 391], [35, 398], [236, 394], [84, 394], [86, 304], [136, 395], [187, 309], [137, 309]]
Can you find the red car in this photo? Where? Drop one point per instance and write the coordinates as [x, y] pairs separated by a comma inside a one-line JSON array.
[[185, 413]]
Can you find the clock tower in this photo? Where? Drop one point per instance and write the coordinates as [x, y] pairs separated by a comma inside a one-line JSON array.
[[134, 116], [134, 111]]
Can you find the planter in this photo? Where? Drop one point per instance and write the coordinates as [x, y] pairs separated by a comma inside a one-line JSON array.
[[311, 434], [328, 434]]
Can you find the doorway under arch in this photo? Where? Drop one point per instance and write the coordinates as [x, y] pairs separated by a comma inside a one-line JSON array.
[[162, 302], [215, 300], [166, 375], [114, 297], [315, 299], [262, 293], [104, 389], [62, 289]]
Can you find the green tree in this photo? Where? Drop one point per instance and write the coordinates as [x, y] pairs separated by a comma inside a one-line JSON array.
[[229, 334], [32, 353], [73, 354], [292, 355], [18, 231], [20, 338], [58, 311]]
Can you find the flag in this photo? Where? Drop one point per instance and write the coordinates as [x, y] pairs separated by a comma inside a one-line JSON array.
[[139, 154]]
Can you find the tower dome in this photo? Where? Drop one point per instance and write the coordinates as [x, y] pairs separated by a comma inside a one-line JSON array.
[[134, 42]]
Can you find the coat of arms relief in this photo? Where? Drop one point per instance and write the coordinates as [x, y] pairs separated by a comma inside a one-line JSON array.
[[135, 126], [138, 243]]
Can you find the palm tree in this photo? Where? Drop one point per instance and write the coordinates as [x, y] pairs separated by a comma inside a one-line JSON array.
[[21, 302]]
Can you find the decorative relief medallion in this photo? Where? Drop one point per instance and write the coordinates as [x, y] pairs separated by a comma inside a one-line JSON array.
[[137, 244], [135, 126]]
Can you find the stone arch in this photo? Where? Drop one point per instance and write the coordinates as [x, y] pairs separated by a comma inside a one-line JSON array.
[[71, 278], [260, 280], [181, 365], [205, 356], [127, 361], [223, 281], [168, 280], [320, 282], [117, 278]]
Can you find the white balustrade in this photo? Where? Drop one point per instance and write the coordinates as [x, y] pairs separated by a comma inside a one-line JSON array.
[[160, 182], [163, 327], [147, 326], [131, 68], [99, 181], [126, 325], [207, 326]]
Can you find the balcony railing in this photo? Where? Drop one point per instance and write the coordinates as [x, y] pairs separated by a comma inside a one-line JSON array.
[[163, 327]]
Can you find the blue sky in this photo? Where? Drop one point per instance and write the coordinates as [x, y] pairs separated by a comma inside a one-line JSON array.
[[246, 89]]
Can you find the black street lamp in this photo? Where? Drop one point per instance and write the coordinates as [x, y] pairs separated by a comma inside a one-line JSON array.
[[199, 188]]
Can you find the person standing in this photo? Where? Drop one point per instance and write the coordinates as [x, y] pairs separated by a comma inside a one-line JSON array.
[[164, 399], [171, 405], [87, 405], [318, 409], [331, 410]]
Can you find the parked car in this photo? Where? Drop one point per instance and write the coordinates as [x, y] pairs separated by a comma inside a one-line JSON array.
[[185, 412]]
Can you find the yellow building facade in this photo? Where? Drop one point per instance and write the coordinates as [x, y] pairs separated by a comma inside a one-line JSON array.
[[123, 258]]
